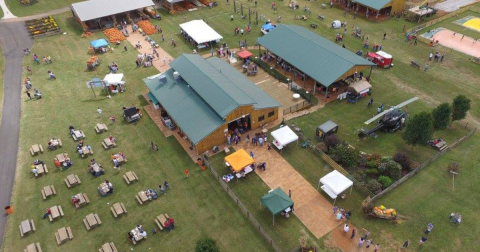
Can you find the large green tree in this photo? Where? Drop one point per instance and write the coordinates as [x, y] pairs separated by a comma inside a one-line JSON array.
[[460, 107], [419, 129], [441, 116]]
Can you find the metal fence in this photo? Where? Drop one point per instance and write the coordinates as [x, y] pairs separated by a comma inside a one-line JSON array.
[[297, 107], [242, 207], [423, 165]]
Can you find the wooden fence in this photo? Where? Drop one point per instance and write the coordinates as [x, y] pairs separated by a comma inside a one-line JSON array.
[[242, 207], [297, 107], [423, 165]]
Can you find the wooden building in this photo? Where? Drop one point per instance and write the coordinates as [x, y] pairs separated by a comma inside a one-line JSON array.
[[207, 98]]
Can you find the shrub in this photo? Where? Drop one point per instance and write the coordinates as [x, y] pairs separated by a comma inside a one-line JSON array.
[[374, 186], [372, 164], [385, 181], [332, 141], [403, 159], [206, 245], [373, 171], [414, 165], [345, 155], [362, 161], [376, 157], [382, 167], [392, 168], [453, 167]]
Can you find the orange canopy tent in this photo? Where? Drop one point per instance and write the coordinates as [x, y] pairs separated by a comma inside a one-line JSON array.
[[244, 54], [239, 160]]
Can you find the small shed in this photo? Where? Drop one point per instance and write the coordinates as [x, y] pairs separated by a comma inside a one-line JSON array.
[[334, 184], [277, 201], [239, 160], [326, 129]]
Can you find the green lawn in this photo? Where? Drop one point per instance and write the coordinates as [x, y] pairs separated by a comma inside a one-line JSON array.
[[1, 12], [200, 207], [40, 6]]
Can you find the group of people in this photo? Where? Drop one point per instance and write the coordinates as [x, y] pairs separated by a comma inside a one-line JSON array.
[[113, 67], [28, 86], [436, 57], [341, 213], [34, 166], [95, 169], [136, 233], [66, 164], [115, 159], [455, 218], [144, 59], [151, 194], [80, 148]]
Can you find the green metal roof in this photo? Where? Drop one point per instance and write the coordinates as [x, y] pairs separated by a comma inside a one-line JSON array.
[[374, 4], [211, 84], [184, 106], [310, 53], [206, 92], [261, 98], [276, 201]]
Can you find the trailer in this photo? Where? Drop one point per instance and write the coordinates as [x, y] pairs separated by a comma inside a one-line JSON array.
[[381, 59]]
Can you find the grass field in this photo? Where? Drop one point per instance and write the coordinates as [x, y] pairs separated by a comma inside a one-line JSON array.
[[198, 204], [40, 6]]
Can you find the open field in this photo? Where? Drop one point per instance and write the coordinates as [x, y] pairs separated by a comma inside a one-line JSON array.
[[40, 6], [198, 204]]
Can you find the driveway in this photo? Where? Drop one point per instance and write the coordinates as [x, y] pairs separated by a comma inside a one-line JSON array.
[[13, 37]]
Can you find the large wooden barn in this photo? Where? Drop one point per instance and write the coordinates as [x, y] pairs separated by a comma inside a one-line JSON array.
[[207, 97]]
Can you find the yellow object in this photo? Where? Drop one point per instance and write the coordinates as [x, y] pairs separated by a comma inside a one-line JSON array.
[[239, 160], [473, 23], [382, 207]]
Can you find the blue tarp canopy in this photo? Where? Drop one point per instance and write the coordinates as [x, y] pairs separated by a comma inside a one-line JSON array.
[[267, 27], [98, 43]]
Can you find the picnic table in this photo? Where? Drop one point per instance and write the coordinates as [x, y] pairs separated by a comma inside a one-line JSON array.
[[83, 200], [47, 191], [36, 148], [61, 157], [118, 209], [103, 189], [72, 180], [101, 127], [246, 171], [107, 143], [55, 143], [26, 226], [78, 134], [130, 176], [41, 168], [160, 220], [141, 197], [63, 234], [91, 221], [119, 158], [136, 235], [56, 212], [86, 151], [108, 247], [33, 248]]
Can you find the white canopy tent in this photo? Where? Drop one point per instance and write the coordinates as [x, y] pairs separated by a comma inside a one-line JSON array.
[[200, 32], [283, 136], [334, 184], [115, 82]]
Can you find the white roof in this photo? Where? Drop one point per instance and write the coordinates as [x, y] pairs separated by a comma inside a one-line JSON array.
[[336, 182], [113, 78], [93, 9], [200, 31], [384, 54], [284, 135], [360, 86]]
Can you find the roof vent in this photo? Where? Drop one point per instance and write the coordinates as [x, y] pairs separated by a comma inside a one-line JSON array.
[[163, 79], [176, 75]]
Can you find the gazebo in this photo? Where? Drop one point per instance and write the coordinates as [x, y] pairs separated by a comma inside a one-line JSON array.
[[334, 184], [277, 201], [200, 32], [283, 136], [239, 160]]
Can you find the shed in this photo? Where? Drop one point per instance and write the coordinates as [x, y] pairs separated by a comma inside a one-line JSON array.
[[276, 201], [326, 129], [239, 160], [334, 184]]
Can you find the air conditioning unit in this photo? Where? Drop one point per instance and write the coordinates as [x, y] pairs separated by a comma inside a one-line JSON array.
[[163, 79], [176, 75]]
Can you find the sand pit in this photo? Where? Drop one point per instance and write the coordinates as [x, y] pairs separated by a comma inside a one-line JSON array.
[[456, 41]]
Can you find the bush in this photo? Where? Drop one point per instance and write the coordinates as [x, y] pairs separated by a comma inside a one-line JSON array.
[[372, 164], [403, 159], [373, 171], [385, 181], [359, 176], [392, 168], [376, 157], [374, 186], [345, 155], [332, 141], [382, 167], [322, 147], [206, 245], [453, 167], [414, 165]]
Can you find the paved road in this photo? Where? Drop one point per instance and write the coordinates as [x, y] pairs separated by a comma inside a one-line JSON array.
[[13, 37]]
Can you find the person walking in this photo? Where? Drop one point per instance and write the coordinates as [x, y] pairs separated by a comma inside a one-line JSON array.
[[369, 242], [167, 185], [251, 154], [462, 37], [403, 30], [360, 242], [100, 112], [164, 60], [162, 189], [422, 240], [113, 119], [429, 228], [125, 48], [441, 58], [384, 36], [367, 233], [426, 68], [346, 228], [335, 208], [377, 247], [29, 95], [163, 38], [354, 232], [430, 56], [186, 172], [406, 244], [290, 193]]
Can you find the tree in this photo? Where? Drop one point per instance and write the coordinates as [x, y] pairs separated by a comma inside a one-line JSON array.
[[441, 116], [346, 155], [403, 159], [419, 129], [460, 107], [331, 141], [206, 245]]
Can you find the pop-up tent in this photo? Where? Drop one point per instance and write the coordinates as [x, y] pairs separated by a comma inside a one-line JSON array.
[[115, 82], [200, 32], [244, 54], [98, 43], [360, 87], [334, 184], [239, 160], [267, 27], [276, 201], [283, 136]]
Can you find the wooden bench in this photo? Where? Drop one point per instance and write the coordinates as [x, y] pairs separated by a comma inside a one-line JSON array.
[[122, 209], [26, 226], [105, 146], [139, 200], [34, 248], [85, 199], [108, 247], [130, 176]]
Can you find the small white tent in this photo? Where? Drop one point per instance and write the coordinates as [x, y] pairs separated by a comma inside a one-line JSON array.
[[283, 136], [334, 184], [200, 32], [115, 82]]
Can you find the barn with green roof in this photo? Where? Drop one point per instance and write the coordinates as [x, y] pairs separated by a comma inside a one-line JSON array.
[[206, 98]]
